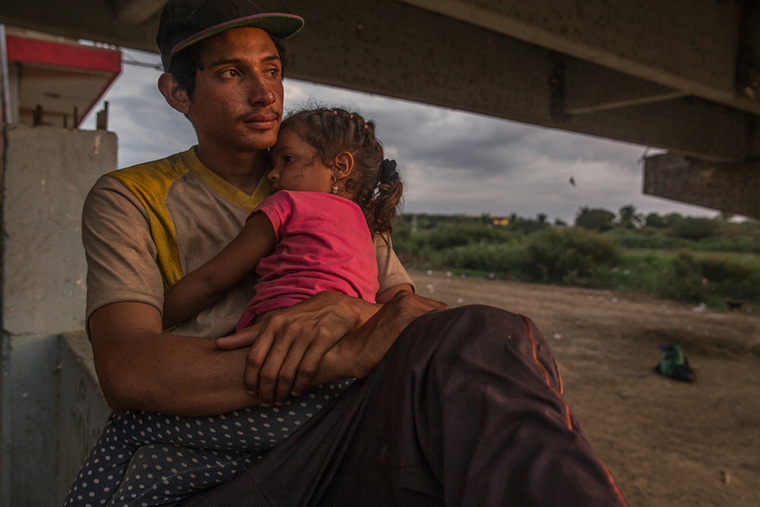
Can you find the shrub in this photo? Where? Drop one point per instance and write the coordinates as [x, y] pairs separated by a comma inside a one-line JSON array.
[[730, 278], [567, 255], [694, 228], [710, 279], [451, 236], [683, 280], [499, 258]]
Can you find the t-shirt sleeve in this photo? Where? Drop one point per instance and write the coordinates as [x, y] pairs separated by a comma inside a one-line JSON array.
[[278, 208], [390, 272], [121, 255]]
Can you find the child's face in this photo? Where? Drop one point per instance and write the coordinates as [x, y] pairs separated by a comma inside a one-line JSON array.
[[296, 165]]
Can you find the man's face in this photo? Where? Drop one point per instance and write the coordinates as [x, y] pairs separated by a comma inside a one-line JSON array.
[[237, 101]]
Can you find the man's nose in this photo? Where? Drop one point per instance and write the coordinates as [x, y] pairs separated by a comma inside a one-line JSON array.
[[261, 91]]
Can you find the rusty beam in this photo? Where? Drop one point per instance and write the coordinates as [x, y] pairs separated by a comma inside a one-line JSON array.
[[728, 187]]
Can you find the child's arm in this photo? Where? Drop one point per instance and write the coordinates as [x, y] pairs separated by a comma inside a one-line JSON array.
[[202, 287]]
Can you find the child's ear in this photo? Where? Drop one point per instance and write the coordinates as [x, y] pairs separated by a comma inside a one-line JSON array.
[[344, 165], [173, 92]]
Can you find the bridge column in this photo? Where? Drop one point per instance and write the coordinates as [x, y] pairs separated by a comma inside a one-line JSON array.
[[46, 174], [728, 187]]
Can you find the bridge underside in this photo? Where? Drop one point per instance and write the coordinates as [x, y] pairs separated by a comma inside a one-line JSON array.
[[682, 75]]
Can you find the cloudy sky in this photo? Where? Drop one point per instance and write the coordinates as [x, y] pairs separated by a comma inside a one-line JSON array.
[[451, 161]]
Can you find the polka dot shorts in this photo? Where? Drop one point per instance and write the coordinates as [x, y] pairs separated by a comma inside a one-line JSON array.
[[150, 459]]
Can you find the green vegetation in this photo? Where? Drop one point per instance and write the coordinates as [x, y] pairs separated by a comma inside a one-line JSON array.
[[695, 260]]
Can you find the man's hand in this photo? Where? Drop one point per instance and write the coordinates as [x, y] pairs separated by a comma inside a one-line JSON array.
[[288, 345], [360, 351]]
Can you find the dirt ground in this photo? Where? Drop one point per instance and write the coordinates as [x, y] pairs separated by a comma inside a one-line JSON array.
[[667, 443]]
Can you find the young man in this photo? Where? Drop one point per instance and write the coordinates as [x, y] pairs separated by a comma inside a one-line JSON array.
[[145, 226], [464, 408]]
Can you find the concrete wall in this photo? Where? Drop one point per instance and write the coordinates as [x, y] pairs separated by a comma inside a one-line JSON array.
[[46, 175]]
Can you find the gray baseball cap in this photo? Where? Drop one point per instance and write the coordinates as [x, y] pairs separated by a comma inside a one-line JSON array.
[[185, 22]]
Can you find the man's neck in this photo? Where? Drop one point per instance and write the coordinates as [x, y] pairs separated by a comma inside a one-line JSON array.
[[241, 170]]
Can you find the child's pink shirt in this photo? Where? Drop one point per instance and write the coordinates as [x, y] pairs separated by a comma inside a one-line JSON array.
[[322, 243]]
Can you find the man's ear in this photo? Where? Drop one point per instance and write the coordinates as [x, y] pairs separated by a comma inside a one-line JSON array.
[[343, 165], [174, 93]]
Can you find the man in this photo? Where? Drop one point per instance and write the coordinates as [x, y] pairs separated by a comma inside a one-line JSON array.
[[463, 409], [140, 242]]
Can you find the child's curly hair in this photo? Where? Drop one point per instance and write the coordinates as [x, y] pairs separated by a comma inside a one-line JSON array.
[[375, 182]]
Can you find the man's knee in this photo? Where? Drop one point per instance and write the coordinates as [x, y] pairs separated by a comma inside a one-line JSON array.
[[475, 328], [478, 338]]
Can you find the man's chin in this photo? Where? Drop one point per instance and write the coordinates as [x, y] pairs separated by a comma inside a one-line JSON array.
[[261, 142]]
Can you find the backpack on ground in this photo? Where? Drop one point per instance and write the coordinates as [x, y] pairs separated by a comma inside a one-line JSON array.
[[673, 364]]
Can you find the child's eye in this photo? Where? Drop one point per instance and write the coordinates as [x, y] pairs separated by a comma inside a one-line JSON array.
[[287, 159]]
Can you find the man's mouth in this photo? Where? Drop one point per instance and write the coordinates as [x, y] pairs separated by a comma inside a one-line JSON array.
[[262, 121]]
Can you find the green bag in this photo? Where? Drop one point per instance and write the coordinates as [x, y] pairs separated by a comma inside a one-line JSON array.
[[673, 364]]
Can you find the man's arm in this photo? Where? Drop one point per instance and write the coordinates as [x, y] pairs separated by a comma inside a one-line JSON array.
[[361, 349], [140, 368], [387, 295], [328, 337]]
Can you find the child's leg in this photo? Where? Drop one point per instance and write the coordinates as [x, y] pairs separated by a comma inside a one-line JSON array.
[[212, 448]]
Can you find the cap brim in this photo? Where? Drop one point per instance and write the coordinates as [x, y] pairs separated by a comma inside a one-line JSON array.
[[281, 26]]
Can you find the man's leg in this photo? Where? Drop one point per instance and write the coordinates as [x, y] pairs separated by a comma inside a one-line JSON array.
[[465, 409]]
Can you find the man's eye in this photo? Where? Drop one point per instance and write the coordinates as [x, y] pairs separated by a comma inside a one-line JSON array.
[[230, 73], [273, 72]]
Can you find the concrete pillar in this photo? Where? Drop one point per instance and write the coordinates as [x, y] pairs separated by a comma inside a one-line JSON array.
[[729, 187], [46, 175]]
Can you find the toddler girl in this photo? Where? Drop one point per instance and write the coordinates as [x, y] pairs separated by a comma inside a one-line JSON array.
[[332, 190]]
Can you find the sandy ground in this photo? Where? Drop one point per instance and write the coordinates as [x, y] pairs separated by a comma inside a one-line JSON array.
[[667, 443]]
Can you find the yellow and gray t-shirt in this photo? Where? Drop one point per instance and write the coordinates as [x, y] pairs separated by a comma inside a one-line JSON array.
[[144, 227]]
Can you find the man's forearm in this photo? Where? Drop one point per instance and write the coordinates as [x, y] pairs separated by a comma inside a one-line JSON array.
[[362, 348], [140, 368]]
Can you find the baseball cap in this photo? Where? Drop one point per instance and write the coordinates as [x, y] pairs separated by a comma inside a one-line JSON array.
[[185, 22]]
